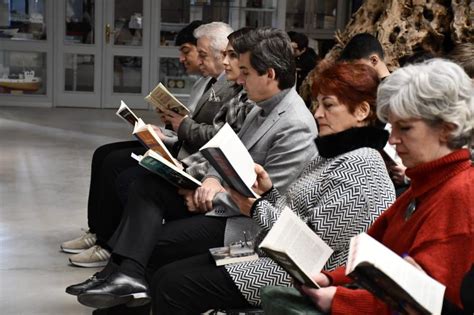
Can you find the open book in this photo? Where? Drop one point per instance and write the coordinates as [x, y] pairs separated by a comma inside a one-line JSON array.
[[126, 114], [388, 153], [161, 99], [234, 253], [148, 137], [388, 276], [296, 248], [229, 157], [155, 163]]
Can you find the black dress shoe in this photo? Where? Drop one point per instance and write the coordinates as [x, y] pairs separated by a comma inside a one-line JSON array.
[[90, 283], [117, 289]]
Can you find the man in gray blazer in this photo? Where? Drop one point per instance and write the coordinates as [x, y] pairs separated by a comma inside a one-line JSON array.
[[196, 130], [279, 134]]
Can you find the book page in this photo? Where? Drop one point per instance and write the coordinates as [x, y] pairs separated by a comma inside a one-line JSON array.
[[425, 290], [236, 155], [151, 140], [389, 150], [161, 98], [126, 114], [292, 236]]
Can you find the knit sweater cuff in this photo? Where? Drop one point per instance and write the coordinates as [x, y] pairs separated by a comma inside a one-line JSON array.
[[357, 302], [338, 276]]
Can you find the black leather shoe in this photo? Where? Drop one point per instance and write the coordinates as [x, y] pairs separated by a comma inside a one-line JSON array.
[[90, 283], [117, 289]]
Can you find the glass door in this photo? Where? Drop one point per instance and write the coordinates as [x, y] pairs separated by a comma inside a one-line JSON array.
[[126, 52], [102, 54], [78, 54]]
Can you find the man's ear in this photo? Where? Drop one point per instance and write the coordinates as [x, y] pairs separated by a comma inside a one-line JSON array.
[[374, 60], [362, 111], [271, 73]]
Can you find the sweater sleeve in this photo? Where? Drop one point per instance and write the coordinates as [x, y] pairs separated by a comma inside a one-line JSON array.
[[357, 302], [265, 212], [195, 134], [342, 208]]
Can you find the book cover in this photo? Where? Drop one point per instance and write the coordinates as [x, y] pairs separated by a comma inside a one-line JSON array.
[[392, 279], [230, 158], [234, 253], [296, 248], [162, 167], [148, 137], [161, 99], [125, 113]]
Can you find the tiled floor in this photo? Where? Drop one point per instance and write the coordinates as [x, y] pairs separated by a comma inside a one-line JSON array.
[[44, 176]]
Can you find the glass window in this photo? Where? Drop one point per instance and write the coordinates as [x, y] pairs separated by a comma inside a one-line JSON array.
[[324, 16], [176, 14], [127, 74], [78, 72], [311, 15], [22, 72], [174, 77], [295, 14], [80, 15], [128, 25], [22, 19]]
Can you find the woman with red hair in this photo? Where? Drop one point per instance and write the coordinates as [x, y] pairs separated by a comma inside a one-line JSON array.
[[339, 194]]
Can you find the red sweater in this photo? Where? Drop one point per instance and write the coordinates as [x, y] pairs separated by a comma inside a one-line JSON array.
[[439, 235]]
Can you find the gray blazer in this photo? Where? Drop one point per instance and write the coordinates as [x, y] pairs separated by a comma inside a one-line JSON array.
[[196, 131], [283, 145]]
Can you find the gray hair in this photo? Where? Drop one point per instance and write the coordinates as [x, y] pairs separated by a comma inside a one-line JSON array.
[[217, 33], [436, 91]]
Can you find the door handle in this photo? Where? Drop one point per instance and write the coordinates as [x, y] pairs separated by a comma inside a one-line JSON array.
[[107, 33]]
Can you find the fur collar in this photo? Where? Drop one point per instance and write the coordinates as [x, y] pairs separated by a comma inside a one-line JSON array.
[[351, 139]]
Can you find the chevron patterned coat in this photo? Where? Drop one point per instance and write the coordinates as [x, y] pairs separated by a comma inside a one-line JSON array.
[[338, 197]]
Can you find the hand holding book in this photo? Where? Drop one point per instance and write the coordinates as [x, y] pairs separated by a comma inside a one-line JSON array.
[[262, 184], [205, 194], [172, 118]]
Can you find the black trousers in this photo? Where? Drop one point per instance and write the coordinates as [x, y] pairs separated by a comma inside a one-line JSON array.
[[193, 286], [104, 209], [157, 228]]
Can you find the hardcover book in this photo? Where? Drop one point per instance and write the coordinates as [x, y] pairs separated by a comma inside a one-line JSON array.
[[392, 279]]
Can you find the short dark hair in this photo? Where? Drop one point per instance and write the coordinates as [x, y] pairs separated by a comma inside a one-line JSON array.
[[269, 48], [299, 38], [186, 34], [235, 35], [361, 46]]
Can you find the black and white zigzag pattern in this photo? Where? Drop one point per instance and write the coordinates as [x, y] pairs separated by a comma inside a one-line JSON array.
[[338, 198], [262, 272]]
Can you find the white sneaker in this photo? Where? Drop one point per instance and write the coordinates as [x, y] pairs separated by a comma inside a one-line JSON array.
[[95, 256], [80, 244]]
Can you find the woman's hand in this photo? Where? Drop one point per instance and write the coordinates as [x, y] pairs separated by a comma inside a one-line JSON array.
[[397, 174], [244, 203], [263, 182], [158, 132], [204, 195]]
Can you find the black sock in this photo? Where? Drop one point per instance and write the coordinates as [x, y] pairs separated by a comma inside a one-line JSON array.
[[110, 268], [132, 268]]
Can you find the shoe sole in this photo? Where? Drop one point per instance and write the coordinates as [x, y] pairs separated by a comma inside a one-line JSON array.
[[72, 250], [89, 265], [110, 300]]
